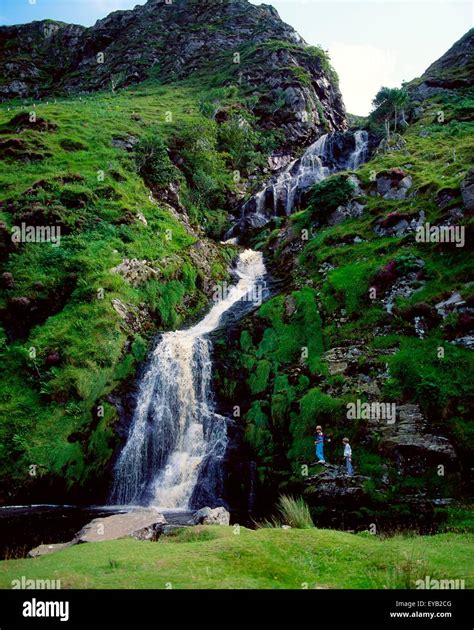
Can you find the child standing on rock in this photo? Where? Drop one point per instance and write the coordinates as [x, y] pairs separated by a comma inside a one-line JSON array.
[[348, 456], [319, 441]]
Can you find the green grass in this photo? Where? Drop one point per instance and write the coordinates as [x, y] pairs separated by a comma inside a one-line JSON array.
[[96, 193], [217, 557]]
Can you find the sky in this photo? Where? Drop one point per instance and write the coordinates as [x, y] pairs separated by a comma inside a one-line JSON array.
[[371, 43]]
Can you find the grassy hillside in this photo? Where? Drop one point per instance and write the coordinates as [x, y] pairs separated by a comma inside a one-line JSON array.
[[87, 165], [219, 557]]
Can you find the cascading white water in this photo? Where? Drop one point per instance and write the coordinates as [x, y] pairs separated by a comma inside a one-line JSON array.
[[327, 155], [175, 429], [300, 174], [359, 155]]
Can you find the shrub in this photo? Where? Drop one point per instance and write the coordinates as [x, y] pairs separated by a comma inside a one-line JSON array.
[[153, 162], [326, 196]]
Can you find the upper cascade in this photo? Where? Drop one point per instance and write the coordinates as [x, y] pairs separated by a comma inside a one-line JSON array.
[[287, 190]]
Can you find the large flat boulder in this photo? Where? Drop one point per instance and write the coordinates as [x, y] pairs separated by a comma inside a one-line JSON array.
[[143, 524]]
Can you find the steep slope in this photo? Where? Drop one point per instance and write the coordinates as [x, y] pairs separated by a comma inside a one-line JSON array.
[[249, 44], [455, 69], [372, 312]]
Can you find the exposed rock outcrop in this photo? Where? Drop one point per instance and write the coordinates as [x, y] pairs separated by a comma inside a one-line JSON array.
[[455, 69], [333, 485], [412, 445], [297, 88]]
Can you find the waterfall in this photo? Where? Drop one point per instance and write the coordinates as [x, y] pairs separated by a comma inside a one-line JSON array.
[[175, 436], [300, 174], [331, 153], [361, 150]]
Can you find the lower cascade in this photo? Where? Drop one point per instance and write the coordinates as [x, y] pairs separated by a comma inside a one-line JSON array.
[[176, 440]]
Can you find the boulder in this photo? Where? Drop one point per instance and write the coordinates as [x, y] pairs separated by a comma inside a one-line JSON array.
[[393, 184], [453, 303], [144, 524], [339, 359], [135, 271], [126, 142], [135, 318], [333, 485], [351, 210], [465, 342], [209, 516]]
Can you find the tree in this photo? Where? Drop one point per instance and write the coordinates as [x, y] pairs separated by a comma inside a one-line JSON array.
[[388, 103]]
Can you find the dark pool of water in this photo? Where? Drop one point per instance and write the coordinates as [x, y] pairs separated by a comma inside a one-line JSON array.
[[25, 527]]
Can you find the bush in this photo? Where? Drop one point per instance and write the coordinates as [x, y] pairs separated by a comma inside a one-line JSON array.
[[153, 162], [238, 138], [326, 196]]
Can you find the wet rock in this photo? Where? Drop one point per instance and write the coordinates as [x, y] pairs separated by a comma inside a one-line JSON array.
[[208, 516], [277, 162]]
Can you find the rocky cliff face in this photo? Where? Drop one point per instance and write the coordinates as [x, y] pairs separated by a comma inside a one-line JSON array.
[[294, 84], [455, 69]]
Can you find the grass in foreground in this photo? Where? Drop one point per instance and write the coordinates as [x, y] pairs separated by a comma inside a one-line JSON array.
[[235, 557]]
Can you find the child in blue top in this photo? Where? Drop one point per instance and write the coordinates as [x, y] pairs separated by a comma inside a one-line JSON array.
[[319, 441]]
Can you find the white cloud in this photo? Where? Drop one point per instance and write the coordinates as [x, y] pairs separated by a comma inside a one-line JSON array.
[[362, 71]]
